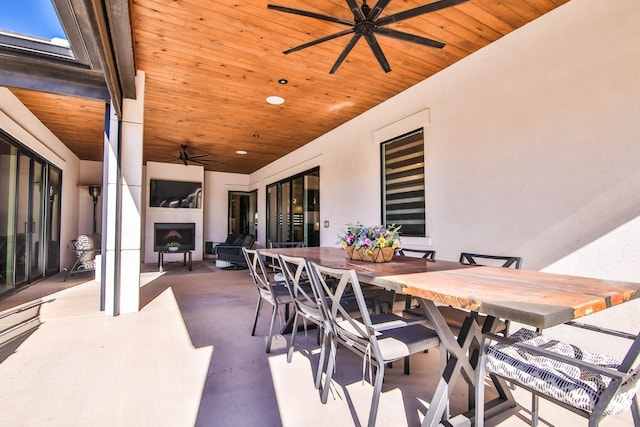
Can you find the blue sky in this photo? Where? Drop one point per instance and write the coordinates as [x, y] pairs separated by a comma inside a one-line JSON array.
[[33, 17]]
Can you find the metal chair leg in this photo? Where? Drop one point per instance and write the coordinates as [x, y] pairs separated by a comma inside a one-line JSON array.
[[535, 403], [377, 390], [325, 345], [635, 411], [329, 372], [274, 315], [292, 341], [255, 320]]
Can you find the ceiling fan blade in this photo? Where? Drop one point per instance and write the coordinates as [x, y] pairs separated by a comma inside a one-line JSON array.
[[378, 9], [377, 52], [355, 9], [387, 32], [200, 162], [197, 156], [420, 10], [310, 14], [345, 52], [320, 40]]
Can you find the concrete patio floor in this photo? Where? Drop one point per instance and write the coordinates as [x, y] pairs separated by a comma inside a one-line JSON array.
[[188, 359]]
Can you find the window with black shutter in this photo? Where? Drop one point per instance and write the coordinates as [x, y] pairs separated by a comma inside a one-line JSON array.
[[403, 183]]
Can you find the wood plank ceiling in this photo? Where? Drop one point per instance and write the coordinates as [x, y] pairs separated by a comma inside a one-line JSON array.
[[210, 66]]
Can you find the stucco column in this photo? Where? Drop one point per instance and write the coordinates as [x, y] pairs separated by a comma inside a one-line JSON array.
[[122, 206], [131, 198], [109, 280]]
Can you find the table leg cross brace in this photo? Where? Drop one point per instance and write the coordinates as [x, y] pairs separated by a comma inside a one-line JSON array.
[[462, 358]]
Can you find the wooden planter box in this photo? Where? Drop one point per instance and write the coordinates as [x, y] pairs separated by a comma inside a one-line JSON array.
[[375, 255]]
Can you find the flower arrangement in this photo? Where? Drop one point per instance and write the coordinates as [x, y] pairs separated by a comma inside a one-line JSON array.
[[368, 238], [173, 244]]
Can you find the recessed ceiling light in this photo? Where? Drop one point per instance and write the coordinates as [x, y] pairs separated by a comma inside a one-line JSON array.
[[241, 152], [275, 100], [283, 81]]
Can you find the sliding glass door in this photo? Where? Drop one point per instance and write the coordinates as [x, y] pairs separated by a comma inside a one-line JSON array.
[[29, 216], [293, 209]]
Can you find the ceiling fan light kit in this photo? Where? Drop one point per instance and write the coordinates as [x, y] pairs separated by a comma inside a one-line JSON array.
[[367, 23]]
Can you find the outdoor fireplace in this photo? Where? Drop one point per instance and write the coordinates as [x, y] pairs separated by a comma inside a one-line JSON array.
[[180, 234]]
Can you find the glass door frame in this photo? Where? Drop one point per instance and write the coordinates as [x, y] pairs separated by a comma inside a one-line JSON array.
[[290, 207]]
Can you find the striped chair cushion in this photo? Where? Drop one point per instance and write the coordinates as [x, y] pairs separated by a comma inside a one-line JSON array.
[[566, 383], [85, 245]]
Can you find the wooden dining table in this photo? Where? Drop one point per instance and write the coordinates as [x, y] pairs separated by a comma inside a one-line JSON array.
[[533, 298]]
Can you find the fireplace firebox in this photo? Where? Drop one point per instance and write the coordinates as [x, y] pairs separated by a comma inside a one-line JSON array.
[[181, 235]]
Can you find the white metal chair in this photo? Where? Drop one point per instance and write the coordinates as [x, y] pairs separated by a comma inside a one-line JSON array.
[[305, 299], [378, 340], [270, 290], [589, 384]]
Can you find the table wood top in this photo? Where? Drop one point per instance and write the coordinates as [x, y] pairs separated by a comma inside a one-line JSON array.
[[531, 297]]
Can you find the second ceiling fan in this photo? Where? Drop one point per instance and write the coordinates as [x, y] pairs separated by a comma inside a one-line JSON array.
[[367, 23]]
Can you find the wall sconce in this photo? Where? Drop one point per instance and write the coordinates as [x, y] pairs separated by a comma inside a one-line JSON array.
[[94, 191]]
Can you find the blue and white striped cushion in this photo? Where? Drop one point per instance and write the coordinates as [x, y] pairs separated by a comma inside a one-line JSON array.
[[574, 386]]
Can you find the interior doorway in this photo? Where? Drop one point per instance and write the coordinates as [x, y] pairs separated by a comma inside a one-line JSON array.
[[243, 213]]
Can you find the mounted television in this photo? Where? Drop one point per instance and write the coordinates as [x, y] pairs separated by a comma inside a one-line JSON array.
[[174, 194]]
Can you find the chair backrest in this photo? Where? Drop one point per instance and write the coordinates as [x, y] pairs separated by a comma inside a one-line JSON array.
[[258, 272], [248, 240], [351, 323], [417, 253], [286, 244], [481, 259], [231, 238], [305, 298]]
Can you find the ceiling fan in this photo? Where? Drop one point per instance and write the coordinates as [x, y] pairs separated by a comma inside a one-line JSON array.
[[187, 158], [367, 23]]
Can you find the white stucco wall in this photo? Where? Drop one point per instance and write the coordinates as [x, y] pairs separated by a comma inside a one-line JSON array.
[[90, 174], [173, 172], [216, 203]]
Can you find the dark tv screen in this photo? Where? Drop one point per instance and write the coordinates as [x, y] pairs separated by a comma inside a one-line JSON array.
[[174, 194]]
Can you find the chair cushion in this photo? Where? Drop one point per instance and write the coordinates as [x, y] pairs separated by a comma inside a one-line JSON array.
[[397, 337], [398, 343], [282, 294], [579, 388]]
